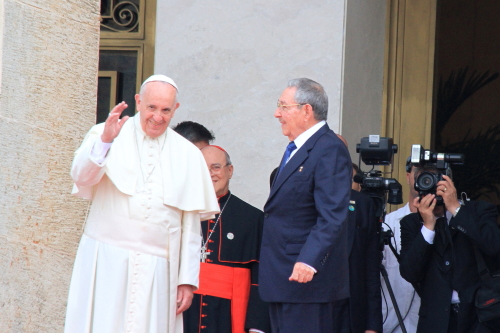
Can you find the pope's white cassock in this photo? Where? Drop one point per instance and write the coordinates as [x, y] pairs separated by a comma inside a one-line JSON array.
[[142, 235]]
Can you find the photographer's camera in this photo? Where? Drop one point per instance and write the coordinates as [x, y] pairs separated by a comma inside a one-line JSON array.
[[434, 166]]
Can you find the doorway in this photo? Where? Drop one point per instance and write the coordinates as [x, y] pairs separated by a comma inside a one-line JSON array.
[[466, 108]]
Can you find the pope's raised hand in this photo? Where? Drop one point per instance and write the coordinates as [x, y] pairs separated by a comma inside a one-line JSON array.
[[114, 124]]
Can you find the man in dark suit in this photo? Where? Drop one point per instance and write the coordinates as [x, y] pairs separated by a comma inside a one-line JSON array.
[[437, 257], [362, 311], [304, 256]]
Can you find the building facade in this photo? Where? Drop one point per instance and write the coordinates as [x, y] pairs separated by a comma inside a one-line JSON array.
[[231, 61]]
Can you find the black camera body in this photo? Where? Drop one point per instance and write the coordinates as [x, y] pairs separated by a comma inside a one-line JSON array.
[[373, 182], [376, 150], [426, 182]]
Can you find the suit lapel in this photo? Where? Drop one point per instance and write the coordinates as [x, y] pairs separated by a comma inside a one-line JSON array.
[[297, 159]]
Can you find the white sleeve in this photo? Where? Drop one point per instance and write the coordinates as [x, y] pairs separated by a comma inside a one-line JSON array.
[[428, 234], [99, 151], [84, 170], [189, 267]]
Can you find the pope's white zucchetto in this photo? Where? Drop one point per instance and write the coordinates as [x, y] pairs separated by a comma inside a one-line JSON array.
[[161, 78]]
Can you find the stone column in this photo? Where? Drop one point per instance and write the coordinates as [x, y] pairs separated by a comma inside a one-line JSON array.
[[363, 71], [2, 14], [47, 103]]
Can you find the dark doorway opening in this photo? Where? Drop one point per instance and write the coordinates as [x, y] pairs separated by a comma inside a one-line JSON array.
[[467, 93], [117, 82]]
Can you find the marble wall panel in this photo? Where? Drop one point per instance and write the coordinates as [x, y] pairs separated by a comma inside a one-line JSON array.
[[232, 60]]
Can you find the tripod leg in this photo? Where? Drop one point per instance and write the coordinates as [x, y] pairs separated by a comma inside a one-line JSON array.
[[383, 271]]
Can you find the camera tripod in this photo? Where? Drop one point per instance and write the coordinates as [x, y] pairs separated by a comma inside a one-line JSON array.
[[385, 239]]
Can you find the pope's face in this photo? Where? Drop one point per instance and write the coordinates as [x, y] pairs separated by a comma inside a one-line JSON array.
[[292, 118], [157, 105], [220, 172]]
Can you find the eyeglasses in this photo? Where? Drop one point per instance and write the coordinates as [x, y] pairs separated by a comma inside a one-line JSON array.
[[284, 107], [216, 168]]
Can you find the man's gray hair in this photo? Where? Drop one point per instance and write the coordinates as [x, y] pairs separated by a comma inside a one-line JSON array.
[[312, 93], [228, 159], [226, 155]]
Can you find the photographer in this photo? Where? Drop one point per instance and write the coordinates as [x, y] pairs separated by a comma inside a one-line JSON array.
[[437, 256], [407, 299]]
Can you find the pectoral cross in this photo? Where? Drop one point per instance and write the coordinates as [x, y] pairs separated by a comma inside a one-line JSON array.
[[204, 254]]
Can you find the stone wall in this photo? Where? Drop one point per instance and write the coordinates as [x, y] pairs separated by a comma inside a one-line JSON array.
[[47, 103], [232, 59], [1, 41]]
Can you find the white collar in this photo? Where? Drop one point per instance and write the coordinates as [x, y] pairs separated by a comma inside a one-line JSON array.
[[304, 136]]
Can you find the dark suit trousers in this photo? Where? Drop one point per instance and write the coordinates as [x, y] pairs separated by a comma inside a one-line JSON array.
[[301, 317], [342, 317]]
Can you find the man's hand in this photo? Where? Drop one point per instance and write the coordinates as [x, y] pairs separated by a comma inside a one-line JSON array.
[[114, 124], [184, 297], [447, 190], [426, 209], [301, 273], [370, 331]]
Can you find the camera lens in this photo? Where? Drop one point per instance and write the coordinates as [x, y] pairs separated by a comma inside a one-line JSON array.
[[426, 181]]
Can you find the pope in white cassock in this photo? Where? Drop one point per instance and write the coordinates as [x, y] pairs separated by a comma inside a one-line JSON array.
[[138, 261]]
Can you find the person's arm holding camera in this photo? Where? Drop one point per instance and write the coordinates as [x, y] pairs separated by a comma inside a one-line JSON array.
[[476, 220], [447, 190], [415, 247], [416, 238]]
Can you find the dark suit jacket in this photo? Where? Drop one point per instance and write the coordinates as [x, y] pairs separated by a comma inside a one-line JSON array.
[[435, 270], [365, 302], [304, 221]]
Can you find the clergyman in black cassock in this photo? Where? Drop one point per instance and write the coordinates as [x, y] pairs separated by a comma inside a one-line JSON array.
[[228, 300], [235, 242]]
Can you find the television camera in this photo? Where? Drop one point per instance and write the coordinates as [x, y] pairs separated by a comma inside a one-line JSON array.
[[375, 150]]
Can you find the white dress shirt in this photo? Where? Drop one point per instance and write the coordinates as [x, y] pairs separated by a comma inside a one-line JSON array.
[[406, 297], [304, 136]]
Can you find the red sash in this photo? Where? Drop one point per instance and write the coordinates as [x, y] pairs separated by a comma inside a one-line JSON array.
[[230, 283]]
